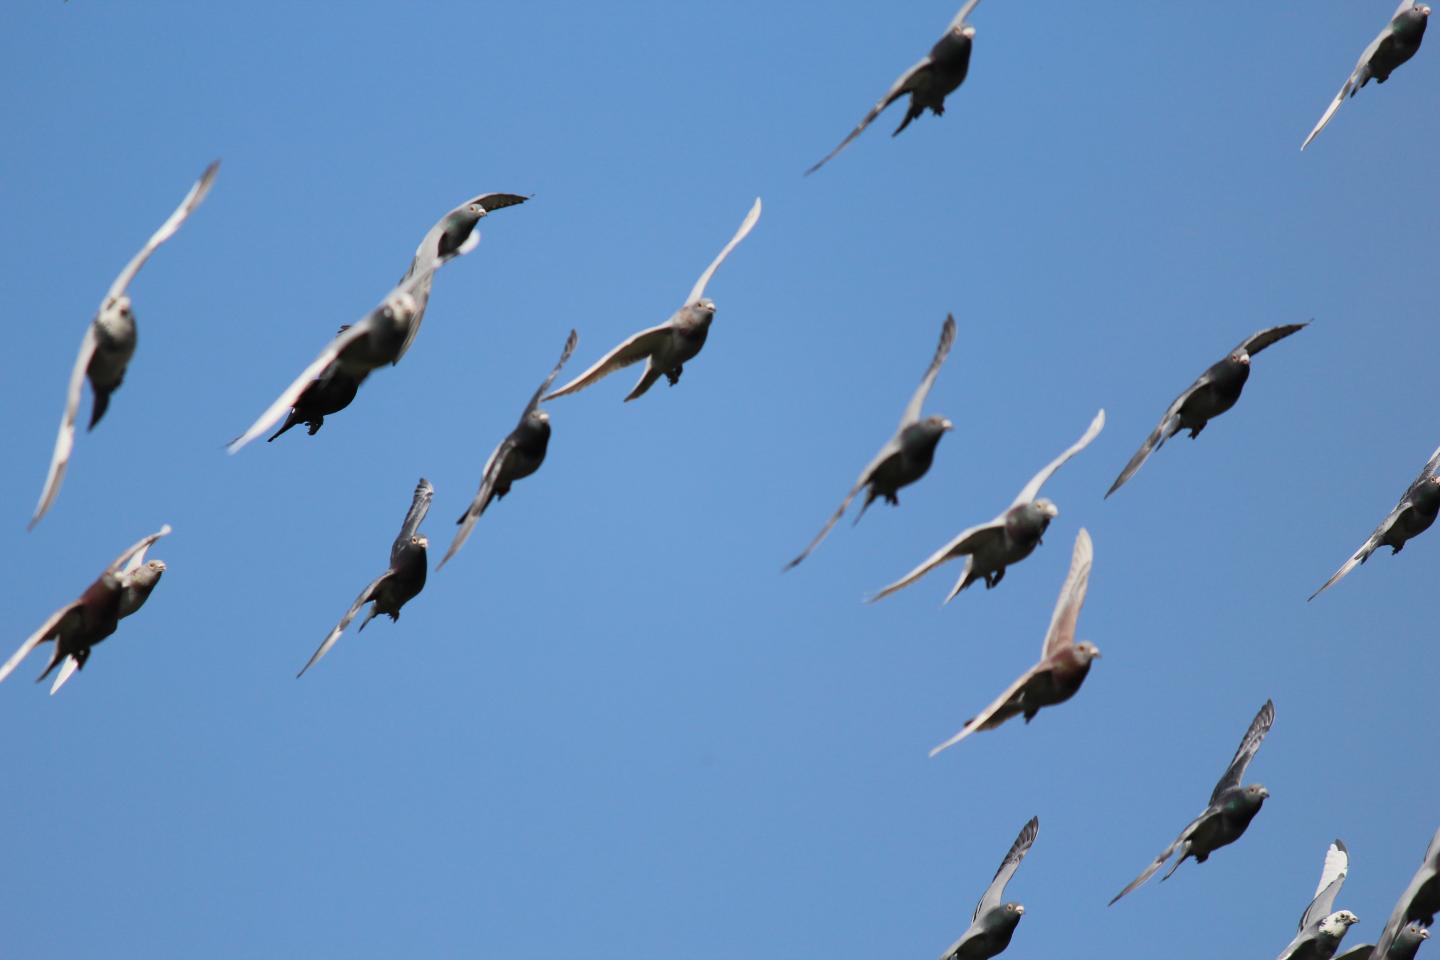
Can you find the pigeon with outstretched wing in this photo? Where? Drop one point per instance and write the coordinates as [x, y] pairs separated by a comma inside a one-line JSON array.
[[994, 922], [1398, 42]]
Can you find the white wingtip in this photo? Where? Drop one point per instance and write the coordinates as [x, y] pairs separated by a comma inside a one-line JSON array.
[[67, 670]]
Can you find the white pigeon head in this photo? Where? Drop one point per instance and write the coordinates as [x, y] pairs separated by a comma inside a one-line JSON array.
[[1337, 923]]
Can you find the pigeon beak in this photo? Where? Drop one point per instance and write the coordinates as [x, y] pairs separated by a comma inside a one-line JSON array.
[[946, 425], [1020, 909], [1264, 792], [1424, 934]]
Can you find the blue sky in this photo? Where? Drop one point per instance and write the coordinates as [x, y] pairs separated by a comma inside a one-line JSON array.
[[611, 725]]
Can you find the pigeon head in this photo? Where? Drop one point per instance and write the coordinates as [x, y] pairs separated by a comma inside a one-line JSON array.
[[458, 224], [116, 311], [139, 584], [1240, 356], [1046, 508], [703, 310], [1408, 941], [968, 32], [399, 309], [1087, 651], [1336, 924], [1254, 795]]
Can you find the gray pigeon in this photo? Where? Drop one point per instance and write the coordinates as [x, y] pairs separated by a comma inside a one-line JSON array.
[[1011, 537], [1397, 43], [1063, 665], [398, 585], [994, 923], [1404, 947], [928, 83], [120, 590], [1212, 394], [1231, 808], [361, 347], [1321, 930], [906, 456], [108, 345], [666, 348], [1420, 901], [518, 455], [1411, 517]]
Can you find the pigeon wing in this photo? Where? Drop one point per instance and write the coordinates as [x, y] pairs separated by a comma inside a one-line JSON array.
[[365, 597], [995, 893], [1256, 342], [1072, 597], [1249, 745], [746, 226], [1332, 878], [47, 631], [897, 90], [565, 352], [134, 555], [637, 348], [983, 717], [488, 478], [942, 350], [965, 11], [963, 543], [167, 230], [1032, 489], [65, 438], [419, 506]]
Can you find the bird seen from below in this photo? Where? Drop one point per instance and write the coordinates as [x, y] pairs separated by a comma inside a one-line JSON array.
[[1321, 926], [1417, 905], [1404, 947], [906, 456], [993, 923]]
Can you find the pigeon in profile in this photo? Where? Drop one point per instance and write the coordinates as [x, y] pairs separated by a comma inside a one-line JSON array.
[[120, 590], [1321, 930], [1411, 517], [1404, 947], [518, 455], [928, 83], [666, 348], [1009, 538], [1215, 392], [906, 456], [398, 585], [361, 347], [994, 923], [1063, 665], [1231, 809], [1397, 43], [108, 344], [1420, 901]]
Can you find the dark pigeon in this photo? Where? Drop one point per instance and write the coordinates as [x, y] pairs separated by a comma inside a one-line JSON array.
[[518, 455], [1064, 664], [1404, 946], [928, 83], [398, 585], [1411, 517], [1398, 42], [1321, 926], [993, 923], [1011, 537], [108, 345], [328, 393], [906, 456], [1420, 901], [666, 348], [120, 590], [1231, 809], [1215, 392]]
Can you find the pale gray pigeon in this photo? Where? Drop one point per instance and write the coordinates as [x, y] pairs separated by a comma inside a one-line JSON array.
[[1322, 927]]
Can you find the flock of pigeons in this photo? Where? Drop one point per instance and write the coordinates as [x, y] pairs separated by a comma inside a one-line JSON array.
[[332, 380]]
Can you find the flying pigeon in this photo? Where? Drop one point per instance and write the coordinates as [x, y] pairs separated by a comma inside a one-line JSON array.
[[108, 344], [994, 923], [666, 348], [1063, 665], [518, 455], [1411, 517], [906, 456], [1404, 947], [1397, 43], [1215, 392], [361, 347], [1231, 809], [328, 393], [1420, 901], [1321, 930], [120, 590], [928, 83], [398, 585], [1009, 538]]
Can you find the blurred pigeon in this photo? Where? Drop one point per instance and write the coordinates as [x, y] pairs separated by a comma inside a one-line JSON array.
[[361, 347], [666, 348], [120, 590], [1009, 538], [1397, 43], [928, 83], [1320, 929], [398, 585], [108, 344], [1411, 517], [1063, 665], [1215, 392], [452, 235], [994, 923], [328, 393], [1404, 947], [1420, 901], [1231, 809], [906, 456], [519, 455]]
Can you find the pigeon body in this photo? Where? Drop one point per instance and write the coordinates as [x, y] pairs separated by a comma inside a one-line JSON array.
[[927, 83], [399, 584], [108, 345], [1420, 901], [1231, 808], [1397, 43], [1322, 927], [1064, 664], [994, 922], [1009, 538], [906, 457], [328, 393], [1215, 392], [1412, 516], [666, 348]]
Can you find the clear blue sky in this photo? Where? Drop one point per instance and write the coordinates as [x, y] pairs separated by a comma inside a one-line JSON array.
[[611, 726]]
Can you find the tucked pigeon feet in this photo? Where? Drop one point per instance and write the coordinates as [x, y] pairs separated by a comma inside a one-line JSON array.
[[892, 499], [993, 579], [312, 427], [674, 375]]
